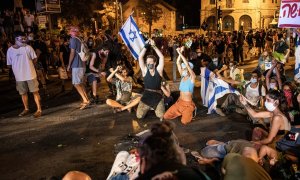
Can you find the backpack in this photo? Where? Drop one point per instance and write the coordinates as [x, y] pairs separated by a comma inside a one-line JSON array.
[[290, 142], [84, 53]]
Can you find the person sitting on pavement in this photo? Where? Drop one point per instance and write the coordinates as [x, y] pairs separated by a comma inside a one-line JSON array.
[[125, 99], [152, 97], [161, 156], [94, 70], [263, 61], [184, 106], [21, 58], [253, 90], [279, 123], [216, 63]]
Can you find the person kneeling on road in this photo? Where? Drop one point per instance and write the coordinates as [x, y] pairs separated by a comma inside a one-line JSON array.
[[184, 106]]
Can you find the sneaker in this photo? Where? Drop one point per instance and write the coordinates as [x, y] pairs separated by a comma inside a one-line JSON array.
[[24, 113], [37, 114], [220, 112]]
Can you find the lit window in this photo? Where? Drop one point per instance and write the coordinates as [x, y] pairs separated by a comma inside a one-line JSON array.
[[212, 2]]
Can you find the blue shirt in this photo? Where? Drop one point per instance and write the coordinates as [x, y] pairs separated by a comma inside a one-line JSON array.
[[186, 86], [76, 45]]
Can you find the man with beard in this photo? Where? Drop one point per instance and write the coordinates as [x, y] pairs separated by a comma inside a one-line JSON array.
[[21, 58], [152, 97]]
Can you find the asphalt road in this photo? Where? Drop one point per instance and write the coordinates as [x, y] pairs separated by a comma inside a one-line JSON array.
[[66, 138]]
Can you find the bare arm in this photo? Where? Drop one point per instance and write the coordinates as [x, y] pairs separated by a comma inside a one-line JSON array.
[[109, 78], [268, 76], [179, 65], [193, 76], [161, 60], [166, 90], [142, 62], [92, 63], [251, 112], [71, 58]]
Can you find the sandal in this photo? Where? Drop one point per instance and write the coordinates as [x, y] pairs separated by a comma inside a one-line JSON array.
[[24, 113], [84, 105], [37, 114]]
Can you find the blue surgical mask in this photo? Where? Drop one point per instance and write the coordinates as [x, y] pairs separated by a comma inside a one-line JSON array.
[[253, 80], [184, 73]]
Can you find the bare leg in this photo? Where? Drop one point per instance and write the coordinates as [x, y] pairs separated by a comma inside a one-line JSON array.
[[80, 89], [114, 104], [25, 101], [37, 100], [94, 88], [132, 104]]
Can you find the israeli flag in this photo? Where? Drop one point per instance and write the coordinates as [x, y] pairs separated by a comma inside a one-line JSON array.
[[213, 88], [131, 36]]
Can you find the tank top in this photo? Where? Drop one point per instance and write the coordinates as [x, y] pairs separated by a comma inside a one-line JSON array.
[[152, 82], [186, 85], [151, 98]]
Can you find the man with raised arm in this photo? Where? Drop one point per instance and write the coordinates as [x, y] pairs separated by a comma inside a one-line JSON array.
[[152, 97]]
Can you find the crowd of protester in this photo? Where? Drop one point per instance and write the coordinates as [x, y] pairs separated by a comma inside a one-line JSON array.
[[269, 98]]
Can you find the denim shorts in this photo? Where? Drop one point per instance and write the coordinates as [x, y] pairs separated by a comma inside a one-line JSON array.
[[78, 75], [91, 78], [214, 151]]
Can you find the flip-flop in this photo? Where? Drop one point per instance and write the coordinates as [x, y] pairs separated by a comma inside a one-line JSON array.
[[196, 155]]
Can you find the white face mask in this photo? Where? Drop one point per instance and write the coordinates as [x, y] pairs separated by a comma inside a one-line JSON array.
[[274, 71], [270, 106], [215, 59], [30, 38], [273, 86], [253, 80]]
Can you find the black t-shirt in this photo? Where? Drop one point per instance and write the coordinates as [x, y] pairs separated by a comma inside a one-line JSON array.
[[66, 53]]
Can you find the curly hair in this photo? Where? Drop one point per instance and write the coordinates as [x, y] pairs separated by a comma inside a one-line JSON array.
[[160, 146]]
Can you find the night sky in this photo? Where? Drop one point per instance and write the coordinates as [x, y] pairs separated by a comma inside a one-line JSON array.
[[188, 8]]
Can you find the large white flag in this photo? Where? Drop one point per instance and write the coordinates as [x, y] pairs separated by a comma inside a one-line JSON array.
[[297, 57], [131, 36]]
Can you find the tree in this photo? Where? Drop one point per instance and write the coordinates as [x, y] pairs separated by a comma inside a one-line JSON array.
[[79, 9], [150, 12]]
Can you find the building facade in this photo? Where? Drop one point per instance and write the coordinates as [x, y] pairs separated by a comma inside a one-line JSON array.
[[238, 14], [166, 24]]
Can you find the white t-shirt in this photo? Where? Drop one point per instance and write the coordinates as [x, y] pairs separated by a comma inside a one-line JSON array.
[[29, 19], [252, 94], [21, 61]]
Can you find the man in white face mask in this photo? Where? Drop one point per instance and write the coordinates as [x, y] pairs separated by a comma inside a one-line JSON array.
[[21, 58]]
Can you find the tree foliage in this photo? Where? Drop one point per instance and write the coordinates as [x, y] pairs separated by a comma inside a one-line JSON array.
[[150, 12], [79, 9]]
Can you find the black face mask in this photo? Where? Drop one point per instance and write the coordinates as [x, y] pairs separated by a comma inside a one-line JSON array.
[[150, 66]]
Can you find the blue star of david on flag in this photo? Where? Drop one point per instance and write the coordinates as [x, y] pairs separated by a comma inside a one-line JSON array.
[[131, 37]]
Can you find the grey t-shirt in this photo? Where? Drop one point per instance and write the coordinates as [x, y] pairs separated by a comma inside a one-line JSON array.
[[77, 62]]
